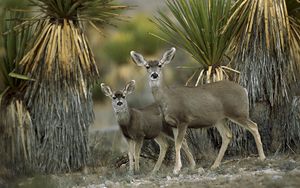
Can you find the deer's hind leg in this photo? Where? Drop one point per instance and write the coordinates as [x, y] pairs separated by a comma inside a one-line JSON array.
[[188, 153], [226, 135], [253, 129], [162, 141]]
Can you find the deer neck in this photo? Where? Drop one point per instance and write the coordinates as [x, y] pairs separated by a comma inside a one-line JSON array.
[[123, 116], [159, 93]]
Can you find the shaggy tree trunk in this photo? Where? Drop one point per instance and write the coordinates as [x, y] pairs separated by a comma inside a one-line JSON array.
[[60, 99]]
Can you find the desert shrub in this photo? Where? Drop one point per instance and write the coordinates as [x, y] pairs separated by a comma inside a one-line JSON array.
[[131, 35], [118, 47]]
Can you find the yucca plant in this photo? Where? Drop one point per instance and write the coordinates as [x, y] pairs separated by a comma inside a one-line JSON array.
[[267, 55], [263, 46], [62, 64], [291, 125], [196, 27]]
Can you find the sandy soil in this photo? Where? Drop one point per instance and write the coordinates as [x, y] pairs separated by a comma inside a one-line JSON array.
[[280, 171]]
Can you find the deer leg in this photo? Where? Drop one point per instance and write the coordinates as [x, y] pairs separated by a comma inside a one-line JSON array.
[[163, 146], [137, 152], [185, 148], [252, 127], [226, 137], [181, 130], [130, 155], [188, 153]]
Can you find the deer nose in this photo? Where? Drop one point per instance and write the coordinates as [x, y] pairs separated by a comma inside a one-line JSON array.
[[154, 75], [119, 103]]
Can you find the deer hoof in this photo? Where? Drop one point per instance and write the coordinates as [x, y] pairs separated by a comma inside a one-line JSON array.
[[262, 158], [175, 172], [154, 172], [193, 166], [213, 167], [130, 173]]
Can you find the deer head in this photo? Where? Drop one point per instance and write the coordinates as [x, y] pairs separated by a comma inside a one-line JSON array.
[[154, 68], [119, 102]]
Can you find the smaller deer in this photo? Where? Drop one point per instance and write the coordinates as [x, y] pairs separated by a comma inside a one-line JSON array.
[[139, 124]]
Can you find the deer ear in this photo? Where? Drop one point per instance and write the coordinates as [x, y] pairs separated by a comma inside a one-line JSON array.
[[129, 88], [106, 90], [138, 58], [168, 56]]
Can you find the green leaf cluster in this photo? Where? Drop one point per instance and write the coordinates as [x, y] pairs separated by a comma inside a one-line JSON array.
[[131, 35], [13, 45], [92, 11], [197, 27]]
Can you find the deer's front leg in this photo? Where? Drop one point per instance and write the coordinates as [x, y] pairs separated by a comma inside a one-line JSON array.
[[137, 153], [130, 154], [179, 137]]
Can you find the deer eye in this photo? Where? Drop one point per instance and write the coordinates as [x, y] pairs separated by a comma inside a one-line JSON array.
[[114, 97], [159, 65], [123, 96]]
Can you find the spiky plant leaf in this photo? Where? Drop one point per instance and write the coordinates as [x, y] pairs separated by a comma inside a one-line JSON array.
[[13, 43], [92, 11], [196, 26]]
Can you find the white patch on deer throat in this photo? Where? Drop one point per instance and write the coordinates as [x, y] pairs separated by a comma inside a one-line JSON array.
[[123, 116], [154, 83]]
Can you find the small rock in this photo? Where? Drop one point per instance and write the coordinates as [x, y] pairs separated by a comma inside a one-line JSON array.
[[109, 183], [292, 161], [241, 169], [296, 171], [276, 177], [123, 166], [169, 178], [180, 175], [201, 171], [102, 185]]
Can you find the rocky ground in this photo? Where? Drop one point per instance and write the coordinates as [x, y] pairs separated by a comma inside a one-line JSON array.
[[279, 171]]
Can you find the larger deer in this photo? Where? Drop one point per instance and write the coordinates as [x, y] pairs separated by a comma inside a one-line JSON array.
[[139, 124], [197, 107]]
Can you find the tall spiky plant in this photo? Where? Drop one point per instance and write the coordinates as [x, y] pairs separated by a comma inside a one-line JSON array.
[[267, 51], [196, 27], [291, 126], [62, 64]]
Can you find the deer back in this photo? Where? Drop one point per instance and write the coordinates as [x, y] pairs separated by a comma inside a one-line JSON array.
[[206, 104]]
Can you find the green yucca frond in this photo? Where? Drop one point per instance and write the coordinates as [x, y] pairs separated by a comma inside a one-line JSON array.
[[13, 44], [197, 27], [93, 11]]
